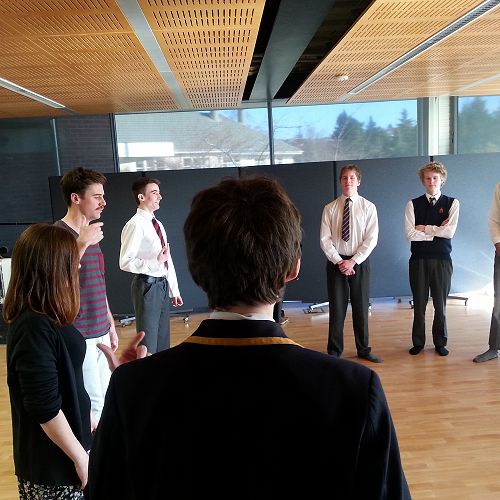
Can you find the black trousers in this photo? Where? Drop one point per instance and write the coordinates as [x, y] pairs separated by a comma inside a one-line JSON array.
[[152, 311], [432, 275], [341, 288]]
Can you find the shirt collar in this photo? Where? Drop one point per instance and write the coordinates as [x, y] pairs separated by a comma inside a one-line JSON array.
[[435, 196], [145, 214], [354, 197], [235, 316]]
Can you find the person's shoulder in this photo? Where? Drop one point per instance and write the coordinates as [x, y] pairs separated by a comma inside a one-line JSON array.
[[139, 367], [366, 202], [340, 369], [132, 219], [136, 221], [30, 318], [61, 223], [418, 199], [332, 203], [450, 198], [29, 323]]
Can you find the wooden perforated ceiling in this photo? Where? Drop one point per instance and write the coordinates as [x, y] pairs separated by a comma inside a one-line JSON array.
[[85, 55], [208, 45], [81, 53], [387, 30], [89, 55]]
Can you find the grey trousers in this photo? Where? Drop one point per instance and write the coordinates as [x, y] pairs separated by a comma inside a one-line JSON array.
[[152, 311], [495, 315]]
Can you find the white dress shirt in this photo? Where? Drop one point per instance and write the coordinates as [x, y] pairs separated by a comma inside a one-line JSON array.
[[447, 231], [494, 216], [363, 222], [140, 247]]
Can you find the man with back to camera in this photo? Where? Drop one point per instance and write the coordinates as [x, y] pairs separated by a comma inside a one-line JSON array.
[[430, 224], [494, 226], [348, 235], [239, 410], [145, 252], [83, 192]]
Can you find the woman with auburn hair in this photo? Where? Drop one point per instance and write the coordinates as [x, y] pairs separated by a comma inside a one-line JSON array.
[[50, 408]]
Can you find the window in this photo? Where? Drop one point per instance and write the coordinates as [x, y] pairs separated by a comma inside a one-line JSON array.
[[345, 131], [478, 124], [168, 141], [240, 138]]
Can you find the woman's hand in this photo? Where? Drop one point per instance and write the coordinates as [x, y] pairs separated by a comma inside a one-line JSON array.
[[82, 468]]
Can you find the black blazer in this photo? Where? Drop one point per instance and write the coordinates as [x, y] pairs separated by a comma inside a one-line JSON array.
[[240, 411]]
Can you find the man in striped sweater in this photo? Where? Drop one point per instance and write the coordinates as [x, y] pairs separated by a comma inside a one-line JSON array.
[[83, 192]]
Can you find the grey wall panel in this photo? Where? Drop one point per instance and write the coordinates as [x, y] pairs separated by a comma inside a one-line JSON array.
[[310, 186], [472, 179], [177, 188], [389, 183]]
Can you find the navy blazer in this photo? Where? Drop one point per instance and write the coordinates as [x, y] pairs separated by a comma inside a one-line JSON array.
[[239, 410]]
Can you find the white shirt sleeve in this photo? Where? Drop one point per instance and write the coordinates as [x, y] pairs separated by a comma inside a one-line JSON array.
[[132, 239], [370, 238], [410, 232], [325, 238], [447, 231]]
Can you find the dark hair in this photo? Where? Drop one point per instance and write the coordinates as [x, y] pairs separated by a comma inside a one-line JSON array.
[[242, 240], [44, 275], [139, 186], [77, 181], [356, 169]]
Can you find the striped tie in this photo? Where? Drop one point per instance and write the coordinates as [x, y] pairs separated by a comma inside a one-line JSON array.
[[345, 220], [158, 232], [432, 201]]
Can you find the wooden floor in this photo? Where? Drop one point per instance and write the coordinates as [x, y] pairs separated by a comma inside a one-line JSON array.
[[446, 409]]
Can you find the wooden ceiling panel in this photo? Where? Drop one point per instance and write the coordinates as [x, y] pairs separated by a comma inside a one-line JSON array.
[[86, 55], [208, 44], [397, 26], [89, 42], [452, 67]]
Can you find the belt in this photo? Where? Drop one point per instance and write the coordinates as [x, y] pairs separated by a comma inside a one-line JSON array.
[[151, 279]]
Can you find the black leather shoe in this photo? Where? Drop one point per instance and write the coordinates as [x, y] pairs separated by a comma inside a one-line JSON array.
[[334, 354], [371, 357], [415, 349], [441, 350]]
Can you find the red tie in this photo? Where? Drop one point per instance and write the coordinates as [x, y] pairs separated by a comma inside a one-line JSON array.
[[158, 232]]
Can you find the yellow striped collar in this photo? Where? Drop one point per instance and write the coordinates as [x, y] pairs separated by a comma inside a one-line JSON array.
[[240, 341]]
